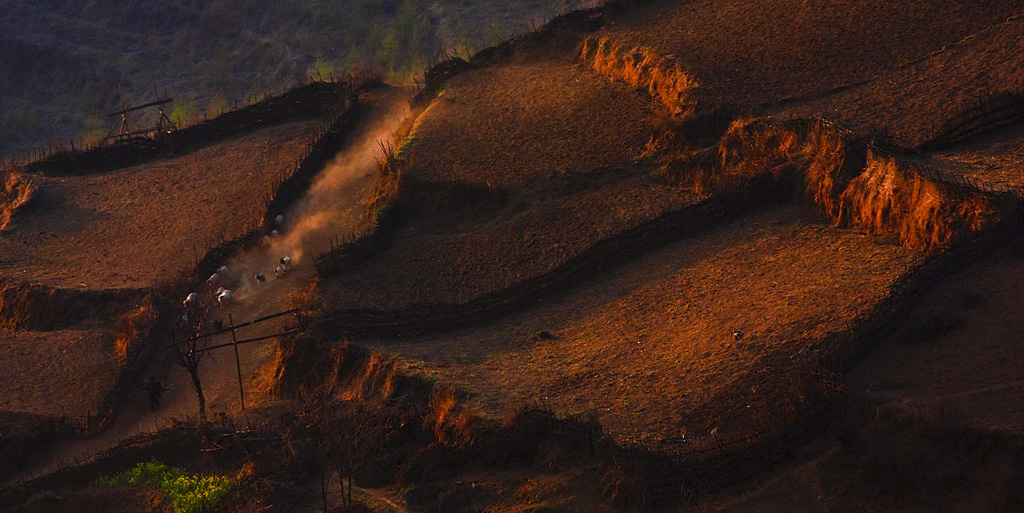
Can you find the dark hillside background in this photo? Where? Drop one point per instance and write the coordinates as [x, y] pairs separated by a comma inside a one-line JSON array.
[[62, 61]]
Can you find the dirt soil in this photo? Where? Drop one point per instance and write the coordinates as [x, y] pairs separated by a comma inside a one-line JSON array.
[[344, 182], [877, 54], [116, 499], [55, 372], [651, 346], [993, 163], [966, 377], [567, 182], [136, 227], [973, 369], [911, 102]]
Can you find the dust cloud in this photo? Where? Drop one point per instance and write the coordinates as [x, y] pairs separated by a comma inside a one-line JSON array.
[[334, 205]]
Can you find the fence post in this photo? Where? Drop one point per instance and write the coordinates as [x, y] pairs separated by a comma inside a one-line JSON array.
[[238, 363]]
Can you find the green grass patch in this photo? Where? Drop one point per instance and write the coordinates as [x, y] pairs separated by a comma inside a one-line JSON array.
[[189, 493]]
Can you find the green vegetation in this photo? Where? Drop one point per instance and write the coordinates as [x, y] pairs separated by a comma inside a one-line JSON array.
[[58, 80], [321, 68], [189, 493], [60, 73]]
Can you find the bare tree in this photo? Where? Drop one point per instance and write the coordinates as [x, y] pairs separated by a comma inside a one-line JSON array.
[[348, 434], [359, 433], [190, 347]]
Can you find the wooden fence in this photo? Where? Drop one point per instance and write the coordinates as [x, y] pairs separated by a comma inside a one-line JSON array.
[[311, 99]]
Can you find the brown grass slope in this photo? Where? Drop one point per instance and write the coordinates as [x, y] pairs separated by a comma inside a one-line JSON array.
[[650, 346], [554, 143], [136, 227], [749, 52], [911, 103], [906, 70], [992, 163], [958, 349], [67, 371]]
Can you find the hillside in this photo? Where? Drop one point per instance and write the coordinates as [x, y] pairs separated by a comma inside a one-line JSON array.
[[62, 63], [715, 255]]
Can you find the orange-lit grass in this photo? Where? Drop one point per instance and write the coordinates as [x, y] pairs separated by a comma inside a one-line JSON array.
[[885, 196], [451, 420], [642, 68], [15, 190], [889, 198], [388, 186], [650, 347], [132, 328]]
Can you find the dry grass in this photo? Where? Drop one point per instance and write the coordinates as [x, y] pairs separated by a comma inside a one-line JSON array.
[[134, 227], [885, 196], [649, 346], [451, 421], [39, 307], [890, 198], [133, 328], [15, 190], [644, 69], [65, 371], [388, 186], [826, 158], [375, 378]]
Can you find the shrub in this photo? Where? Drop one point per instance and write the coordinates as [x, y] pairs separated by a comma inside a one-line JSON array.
[[133, 326], [388, 187], [189, 493], [15, 191]]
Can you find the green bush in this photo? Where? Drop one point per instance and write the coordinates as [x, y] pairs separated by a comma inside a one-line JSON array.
[[189, 493]]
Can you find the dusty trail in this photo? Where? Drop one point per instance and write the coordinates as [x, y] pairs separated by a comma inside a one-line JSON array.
[[334, 205]]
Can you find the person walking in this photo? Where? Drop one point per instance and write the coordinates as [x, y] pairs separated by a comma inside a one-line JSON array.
[[153, 389]]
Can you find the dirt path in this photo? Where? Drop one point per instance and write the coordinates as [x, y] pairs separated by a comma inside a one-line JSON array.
[[334, 205]]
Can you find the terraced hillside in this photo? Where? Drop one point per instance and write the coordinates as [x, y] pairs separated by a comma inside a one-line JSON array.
[[697, 340], [575, 175], [88, 248], [846, 61], [103, 231], [659, 255], [568, 182]]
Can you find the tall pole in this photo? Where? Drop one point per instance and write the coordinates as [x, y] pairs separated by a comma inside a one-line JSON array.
[[238, 363]]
